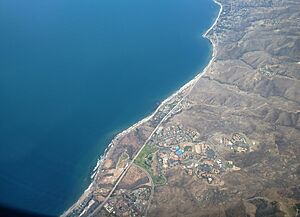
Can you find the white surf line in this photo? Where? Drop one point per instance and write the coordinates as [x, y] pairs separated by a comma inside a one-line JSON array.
[[191, 83], [133, 127]]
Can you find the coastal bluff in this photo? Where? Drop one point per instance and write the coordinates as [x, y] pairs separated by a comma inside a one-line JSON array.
[[226, 143]]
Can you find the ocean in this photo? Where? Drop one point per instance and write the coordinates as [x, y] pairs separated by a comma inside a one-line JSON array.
[[74, 73]]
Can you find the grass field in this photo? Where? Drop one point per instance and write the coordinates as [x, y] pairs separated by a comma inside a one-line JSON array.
[[145, 157], [144, 160]]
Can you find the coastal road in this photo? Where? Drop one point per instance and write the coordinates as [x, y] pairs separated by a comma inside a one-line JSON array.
[[152, 187], [145, 143], [192, 83], [131, 162], [189, 85]]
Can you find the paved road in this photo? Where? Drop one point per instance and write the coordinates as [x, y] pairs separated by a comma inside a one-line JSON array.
[[145, 143], [128, 167], [152, 188]]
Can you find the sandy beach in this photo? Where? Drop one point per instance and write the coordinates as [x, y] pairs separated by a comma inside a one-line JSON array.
[[188, 85]]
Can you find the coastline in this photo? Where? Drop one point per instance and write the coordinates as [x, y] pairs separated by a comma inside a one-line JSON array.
[[189, 84]]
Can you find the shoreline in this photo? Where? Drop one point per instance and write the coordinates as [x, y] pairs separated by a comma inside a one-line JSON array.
[[189, 84]]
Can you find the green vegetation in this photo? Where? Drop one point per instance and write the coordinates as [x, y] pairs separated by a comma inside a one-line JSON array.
[[144, 160], [187, 148], [297, 207], [159, 180], [229, 165]]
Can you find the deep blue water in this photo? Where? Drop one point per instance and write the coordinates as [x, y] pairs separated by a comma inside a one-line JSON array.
[[75, 72]]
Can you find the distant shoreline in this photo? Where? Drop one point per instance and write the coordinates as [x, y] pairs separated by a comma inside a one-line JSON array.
[[191, 84]]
